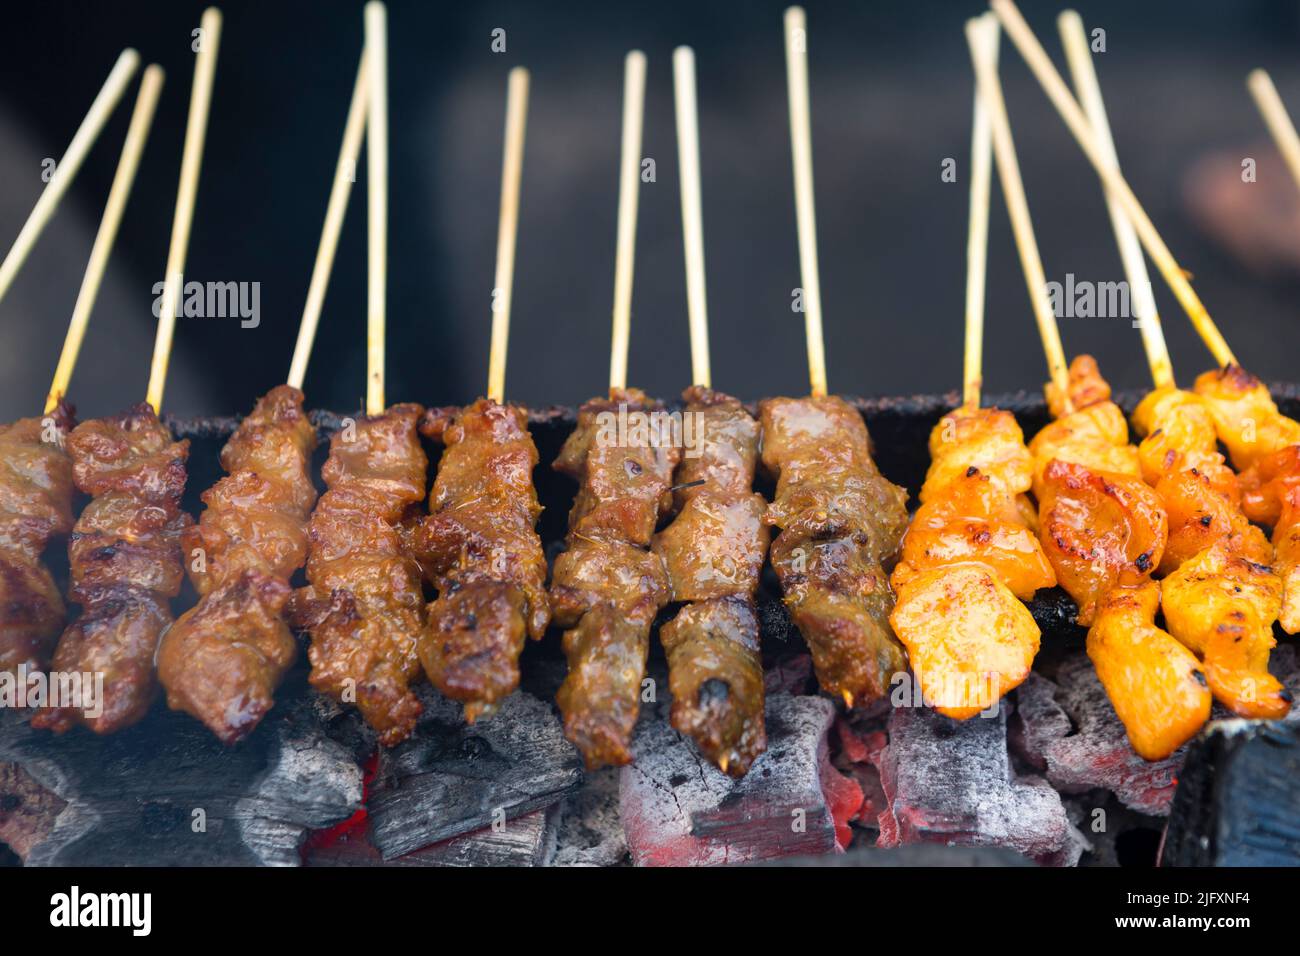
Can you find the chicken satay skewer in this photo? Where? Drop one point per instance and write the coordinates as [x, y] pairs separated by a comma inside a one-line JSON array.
[[364, 604], [1276, 118], [65, 171], [223, 659], [1220, 596], [714, 548], [37, 476], [839, 516], [125, 548], [607, 586], [479, 545], [969, 557]]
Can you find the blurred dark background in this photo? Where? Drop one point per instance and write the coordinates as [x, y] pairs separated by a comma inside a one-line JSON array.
[[891, 98]]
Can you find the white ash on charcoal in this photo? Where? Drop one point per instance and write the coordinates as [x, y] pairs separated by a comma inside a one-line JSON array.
[[953, 782], [524, 841], [680, 810], [589, 831], [452, 778], [1237, 803], [166, 792], [917, 854], [1068, 729]]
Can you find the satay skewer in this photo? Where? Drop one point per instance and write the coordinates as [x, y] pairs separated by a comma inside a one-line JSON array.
[[69, 163], [1277, 119], [688, 155], [977, 250], [1057, 91], [376, 21], [629, 192], [512, 164]]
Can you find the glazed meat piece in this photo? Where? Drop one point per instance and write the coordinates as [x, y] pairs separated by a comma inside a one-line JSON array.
[[607, 587], [1245, 416], [1155, 683], [713, 552], [126, 564], [222, 660], [839, 519], [364, 605], [35, 506], [480, 548], [968, 556]]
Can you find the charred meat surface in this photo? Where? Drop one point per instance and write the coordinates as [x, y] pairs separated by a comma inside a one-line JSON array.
[[35, 506], [126, 564], [607, 587], [364, 605], [222, 660], [839, 519], [713, 553], [480, 548]]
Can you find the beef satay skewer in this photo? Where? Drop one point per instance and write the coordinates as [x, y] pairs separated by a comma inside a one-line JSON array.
[[1101, 526], [607, 586], [65, 171], [36, 479], [364, 604], [839, 516], [479, 545], [222, 661], [1277, 119], [1220, 595], [970, 557], [713, 550], [125, 548]]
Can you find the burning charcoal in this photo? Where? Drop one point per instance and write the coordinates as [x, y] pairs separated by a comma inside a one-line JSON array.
[[679, 810], [27, 810], [1070, 728], [166, 792], [452, 777], [1237, 802], [919, 854], [952, 782], [523, 841], [590, 831]]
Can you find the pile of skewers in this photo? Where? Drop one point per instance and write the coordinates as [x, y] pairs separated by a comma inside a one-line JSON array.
[[658, 532]]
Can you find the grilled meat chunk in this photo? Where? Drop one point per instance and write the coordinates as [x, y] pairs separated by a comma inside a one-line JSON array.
[[35, 506], [364, 605], [479, 547], [126, 564], [839, 519], [607, 587], [222, 660], [713, 553]]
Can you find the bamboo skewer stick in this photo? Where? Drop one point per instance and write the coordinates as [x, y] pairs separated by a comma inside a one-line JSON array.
[[977, 249], [796, 61], [512, 164], [344, 176], [69, 163], [1083, 70], [688, 156], [629, 193], [376, 19], [205, 68], [137, 135], [982, 37], [1276, 117], [1065, 104]]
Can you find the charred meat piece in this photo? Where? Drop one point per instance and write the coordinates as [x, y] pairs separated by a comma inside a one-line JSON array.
[[35, 506], [713, 553], [607, 587], [480, 549], [222, 661], [969, 558], [839, 518], [126, 564], [364, 605]]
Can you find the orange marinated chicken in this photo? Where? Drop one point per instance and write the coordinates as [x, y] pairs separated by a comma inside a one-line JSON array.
[[1265, 444], [967, 558], [1155, 683], [1221, 594], [1099, 523]]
